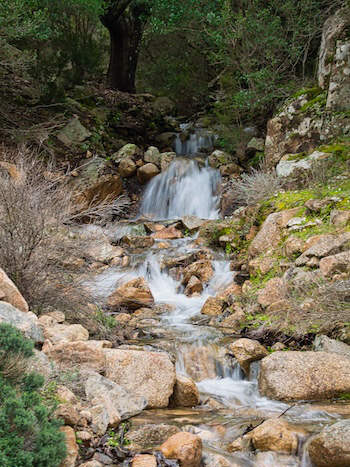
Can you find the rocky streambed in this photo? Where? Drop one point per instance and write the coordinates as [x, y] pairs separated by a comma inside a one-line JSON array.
[[205, 395]]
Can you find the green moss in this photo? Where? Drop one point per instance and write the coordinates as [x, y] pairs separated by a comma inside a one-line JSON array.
[[310, 93], [345, 396], [297, 157], [318, 101]]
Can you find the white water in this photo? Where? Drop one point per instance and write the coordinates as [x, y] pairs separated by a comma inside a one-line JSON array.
[[184, 189], [192, 144]]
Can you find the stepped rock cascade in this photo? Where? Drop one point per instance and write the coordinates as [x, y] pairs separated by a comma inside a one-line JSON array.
[[184, 189], [230, 399], [191, 144]]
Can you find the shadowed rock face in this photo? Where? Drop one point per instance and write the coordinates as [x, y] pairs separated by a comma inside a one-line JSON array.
[[304, 376]]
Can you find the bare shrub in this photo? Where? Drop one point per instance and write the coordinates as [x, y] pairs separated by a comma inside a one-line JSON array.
[[317, 306], [34, 242], [255, 187]]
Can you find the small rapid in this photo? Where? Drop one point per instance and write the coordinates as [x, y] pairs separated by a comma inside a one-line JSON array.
[[184, 189]]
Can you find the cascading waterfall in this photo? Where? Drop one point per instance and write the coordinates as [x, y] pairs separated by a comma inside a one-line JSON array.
[[193, 143], [184, 189]]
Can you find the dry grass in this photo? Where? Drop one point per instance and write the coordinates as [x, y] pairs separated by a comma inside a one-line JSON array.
[[254, 187]]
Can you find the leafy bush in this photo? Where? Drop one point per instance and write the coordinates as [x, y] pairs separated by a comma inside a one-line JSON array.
[[29, 436]]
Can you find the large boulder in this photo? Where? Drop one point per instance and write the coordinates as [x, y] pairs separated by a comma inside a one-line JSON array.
[[128, 151], [289, 166], [331, 447], [147, 172], [185, 447], [85, 354], [270, 233], [105, 190], [325, 344], [304, 375], [10, 294], [150, 375], [119, 403], [60, 333], [247, 351], [26, 322], [213, 306], [132, 295]]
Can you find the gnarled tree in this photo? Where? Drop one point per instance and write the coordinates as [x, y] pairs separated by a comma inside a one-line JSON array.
[[125, 21]]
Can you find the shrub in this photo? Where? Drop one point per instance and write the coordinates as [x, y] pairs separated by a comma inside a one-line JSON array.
[[34, 242], [255, 187], [13, 352], [29, 436]]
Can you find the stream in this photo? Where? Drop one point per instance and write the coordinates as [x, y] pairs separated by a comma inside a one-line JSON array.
[[230, 401]]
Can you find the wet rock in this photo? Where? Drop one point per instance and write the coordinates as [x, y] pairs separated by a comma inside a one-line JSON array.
[[192, 223], [339, 263], [213, 306], [186, 393], [331, 447], [71, 445], [127, 167], [146, 172], [216, 460], [274, 291], [274, 435], [233, 322], [144, 460], [86, 354], [304, 375], [10, 294], [166, 159], [325, 344], [119, 403], [150, 375], [66, 333], [26, 322], [132, 295], [326, 246], [138, 242], [185, 447], [269, 234], [103, 251], [73, 133], [193, 287], [202, 269], [169, 233], [339, 217], [247, 351], [150, 435], [152, 155]]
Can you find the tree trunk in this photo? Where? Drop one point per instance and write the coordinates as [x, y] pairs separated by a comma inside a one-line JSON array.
[[125, 32]]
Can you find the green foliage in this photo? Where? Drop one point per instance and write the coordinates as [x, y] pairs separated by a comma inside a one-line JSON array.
[[29, 436]]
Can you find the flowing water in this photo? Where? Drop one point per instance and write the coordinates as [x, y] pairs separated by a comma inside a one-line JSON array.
[[230, 400], [191, 142]]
